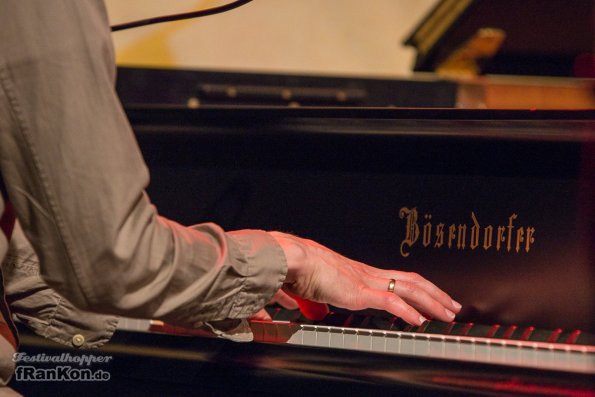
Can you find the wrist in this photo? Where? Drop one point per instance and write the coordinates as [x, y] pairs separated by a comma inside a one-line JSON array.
[[294, 252]]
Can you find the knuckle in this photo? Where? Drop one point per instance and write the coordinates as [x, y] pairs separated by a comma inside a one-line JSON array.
[[408, 288], [416, 277], [394, 301]]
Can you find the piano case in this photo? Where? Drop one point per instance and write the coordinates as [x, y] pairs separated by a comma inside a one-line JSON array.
[[542, 38]]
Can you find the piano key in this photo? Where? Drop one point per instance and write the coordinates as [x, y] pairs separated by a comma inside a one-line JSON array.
[[387, 323], [493, 330], [554, 336], [504, 332], [287, 315], [519, 333], [358, 321], [527, 332], [541, 335], [453, 344], [585, 339], [272, 310], [337, 319], [461, 329], [438, 327], [480, 330]]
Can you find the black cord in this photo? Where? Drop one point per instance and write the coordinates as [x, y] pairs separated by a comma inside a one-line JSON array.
[[177, 17]]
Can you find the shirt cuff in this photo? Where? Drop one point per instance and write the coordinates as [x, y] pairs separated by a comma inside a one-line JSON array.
[[266, 267]]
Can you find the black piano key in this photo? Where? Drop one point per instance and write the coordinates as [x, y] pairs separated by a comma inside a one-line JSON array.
[[422, 328], [541, 335], [504, 332], [438, 327], [336, 319], [461, 329], [555, 336], [358, 321], [480, 330], [383, 323], [401, 325], [585, 339], [305, 320], [287, 315], [272, 310], [521, 333]]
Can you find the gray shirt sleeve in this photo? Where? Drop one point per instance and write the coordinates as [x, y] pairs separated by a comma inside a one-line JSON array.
[[77, 180], [42, 309]]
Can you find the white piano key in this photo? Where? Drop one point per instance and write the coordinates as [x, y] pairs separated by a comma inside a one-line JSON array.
[[421, 345], [437, 347], [378, 342], [309, 335], [482, 351], [452, 348], [336, 338], [467, 349], [323, 337], [393, 343], [364, 340], [349, 339]]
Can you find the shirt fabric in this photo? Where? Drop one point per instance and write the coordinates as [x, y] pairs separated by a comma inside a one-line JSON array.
[[76, 178]]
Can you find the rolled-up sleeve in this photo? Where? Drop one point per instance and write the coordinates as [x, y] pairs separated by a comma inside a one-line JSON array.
[[77, 180]]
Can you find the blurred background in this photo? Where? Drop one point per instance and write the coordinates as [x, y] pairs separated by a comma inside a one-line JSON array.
[[344, 37]]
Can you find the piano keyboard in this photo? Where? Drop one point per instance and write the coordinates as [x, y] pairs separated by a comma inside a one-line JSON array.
[[527, 347]]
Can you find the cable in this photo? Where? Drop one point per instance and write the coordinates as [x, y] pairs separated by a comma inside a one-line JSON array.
[[178, 17]]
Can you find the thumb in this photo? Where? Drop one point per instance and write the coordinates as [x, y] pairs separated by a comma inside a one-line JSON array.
[[314, 311]]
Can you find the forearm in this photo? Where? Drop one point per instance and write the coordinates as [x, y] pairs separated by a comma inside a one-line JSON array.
[[76, 178]]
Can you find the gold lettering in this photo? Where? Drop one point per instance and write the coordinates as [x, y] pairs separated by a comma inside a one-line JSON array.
[[474, 240], [510, 227], [508, 237], [451, 234], [501, 230], [520, 233], [439, 235], [529, 239], [461, 237], [487, 237], [411, 228], [427, 236]]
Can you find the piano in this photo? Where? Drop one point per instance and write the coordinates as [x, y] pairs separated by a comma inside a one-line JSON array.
[[495, 206]]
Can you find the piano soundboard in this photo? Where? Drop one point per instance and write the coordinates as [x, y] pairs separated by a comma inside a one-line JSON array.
[[511, 345]]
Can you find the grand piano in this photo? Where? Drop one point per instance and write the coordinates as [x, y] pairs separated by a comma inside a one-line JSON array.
[[497, 207]]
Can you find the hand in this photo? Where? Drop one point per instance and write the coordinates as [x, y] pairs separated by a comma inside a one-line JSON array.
[[280, 298], [322, 275]]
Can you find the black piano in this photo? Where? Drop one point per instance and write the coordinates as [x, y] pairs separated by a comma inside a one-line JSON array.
[[496, 207]]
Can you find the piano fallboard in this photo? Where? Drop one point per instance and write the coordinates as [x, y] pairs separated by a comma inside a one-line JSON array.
[[498, 204]]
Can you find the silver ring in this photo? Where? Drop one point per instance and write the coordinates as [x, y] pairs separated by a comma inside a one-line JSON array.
[[391, 285]]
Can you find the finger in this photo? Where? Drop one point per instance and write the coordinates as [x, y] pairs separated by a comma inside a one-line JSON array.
[[314, 311], [381, 279], [261, 315], [285, 300], [422, 300], [433, 290], [392, 303]]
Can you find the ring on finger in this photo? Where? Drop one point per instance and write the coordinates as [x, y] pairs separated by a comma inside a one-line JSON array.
[[391, 285]]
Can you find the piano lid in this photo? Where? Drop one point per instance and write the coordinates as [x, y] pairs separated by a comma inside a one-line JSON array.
[[541, 38]]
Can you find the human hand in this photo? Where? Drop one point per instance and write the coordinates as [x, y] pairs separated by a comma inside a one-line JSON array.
[[322, 275], [280, 298]]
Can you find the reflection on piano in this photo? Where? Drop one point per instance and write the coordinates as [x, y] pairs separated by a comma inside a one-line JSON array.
[[475, 179]]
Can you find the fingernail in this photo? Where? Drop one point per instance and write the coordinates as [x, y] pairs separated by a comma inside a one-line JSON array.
[[422, 320], [456, 304], [450, 314]]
